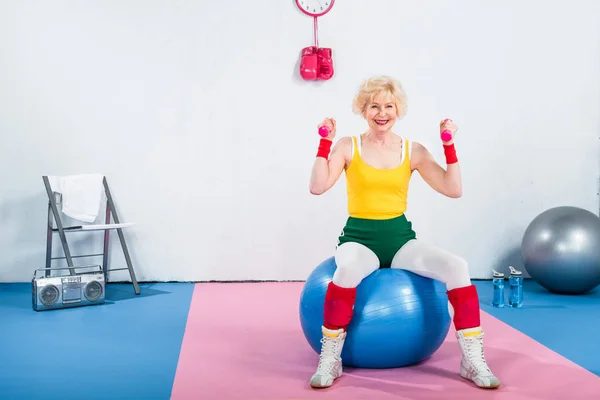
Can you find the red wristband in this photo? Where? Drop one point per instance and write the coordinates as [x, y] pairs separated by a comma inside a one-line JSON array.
[[324, 148], [450, 153]]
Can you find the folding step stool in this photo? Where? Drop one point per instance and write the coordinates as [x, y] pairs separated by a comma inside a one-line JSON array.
[[54, 216]]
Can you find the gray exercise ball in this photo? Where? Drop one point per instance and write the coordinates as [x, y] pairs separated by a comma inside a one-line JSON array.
[[561, 250]]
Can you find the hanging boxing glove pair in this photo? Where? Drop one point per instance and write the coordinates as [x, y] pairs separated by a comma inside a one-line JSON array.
[[316, 64]]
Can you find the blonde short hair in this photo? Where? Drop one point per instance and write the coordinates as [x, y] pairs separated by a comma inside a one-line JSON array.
[[372, 87]]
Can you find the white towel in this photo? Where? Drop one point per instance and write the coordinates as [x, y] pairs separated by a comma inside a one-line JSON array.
[[81, 195]]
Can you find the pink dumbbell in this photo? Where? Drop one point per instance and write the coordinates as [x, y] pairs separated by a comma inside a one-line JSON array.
[[446, 135], [324, 131]]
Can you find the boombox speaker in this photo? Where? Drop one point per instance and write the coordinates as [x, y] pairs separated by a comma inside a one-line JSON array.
[[75, 290]]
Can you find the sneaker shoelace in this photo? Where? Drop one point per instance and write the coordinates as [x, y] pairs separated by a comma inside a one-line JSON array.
[[327, 358], [476, 355]]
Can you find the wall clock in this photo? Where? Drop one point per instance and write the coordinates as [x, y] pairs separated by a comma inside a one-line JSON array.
[[315, 8]]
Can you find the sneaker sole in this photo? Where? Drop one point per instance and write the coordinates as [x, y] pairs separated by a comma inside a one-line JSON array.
[[316, 386], [481, 387]]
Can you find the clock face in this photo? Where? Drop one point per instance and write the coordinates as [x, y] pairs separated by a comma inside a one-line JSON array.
[[315, 8]]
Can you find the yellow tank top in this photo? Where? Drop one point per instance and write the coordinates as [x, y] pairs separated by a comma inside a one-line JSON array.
[[375, 193]]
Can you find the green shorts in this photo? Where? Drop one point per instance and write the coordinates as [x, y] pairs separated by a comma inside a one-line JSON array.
[[383, 237]]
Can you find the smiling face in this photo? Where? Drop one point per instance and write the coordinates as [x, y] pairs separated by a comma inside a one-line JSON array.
[[381, 112], [381, 101]]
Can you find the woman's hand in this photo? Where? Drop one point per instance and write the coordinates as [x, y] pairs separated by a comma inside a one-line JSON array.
[[447, 131], [329, 123]]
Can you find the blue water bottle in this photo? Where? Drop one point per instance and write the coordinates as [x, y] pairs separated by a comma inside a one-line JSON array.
[[515, 299], [498, 283]]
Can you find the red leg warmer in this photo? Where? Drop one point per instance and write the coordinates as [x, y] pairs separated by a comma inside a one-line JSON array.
[[465, 302], [339, 306]]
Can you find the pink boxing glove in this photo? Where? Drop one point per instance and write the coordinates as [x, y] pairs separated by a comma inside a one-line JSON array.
[[309, 64], [325, 71]]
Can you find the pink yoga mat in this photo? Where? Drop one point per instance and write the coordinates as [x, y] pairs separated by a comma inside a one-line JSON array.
[[244, 341]]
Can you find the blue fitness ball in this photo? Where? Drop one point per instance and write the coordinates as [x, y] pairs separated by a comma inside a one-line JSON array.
[[400, 318]]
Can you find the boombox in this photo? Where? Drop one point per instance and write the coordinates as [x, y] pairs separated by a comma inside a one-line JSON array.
[[76, 290]]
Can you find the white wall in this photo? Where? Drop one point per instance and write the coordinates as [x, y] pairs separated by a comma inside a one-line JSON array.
[[198, 118]]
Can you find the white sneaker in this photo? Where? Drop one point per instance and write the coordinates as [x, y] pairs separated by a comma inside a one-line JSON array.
[[473, 365], [330, 360]]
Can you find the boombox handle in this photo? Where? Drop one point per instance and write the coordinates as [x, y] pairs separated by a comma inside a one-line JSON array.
[[61, 268]]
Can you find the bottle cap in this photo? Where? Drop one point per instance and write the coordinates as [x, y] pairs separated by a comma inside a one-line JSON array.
[[514, 271], [498, 274]]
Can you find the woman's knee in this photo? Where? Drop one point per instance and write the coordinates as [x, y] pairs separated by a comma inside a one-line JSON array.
[[458, 272], [458, 264], [354, 262]]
